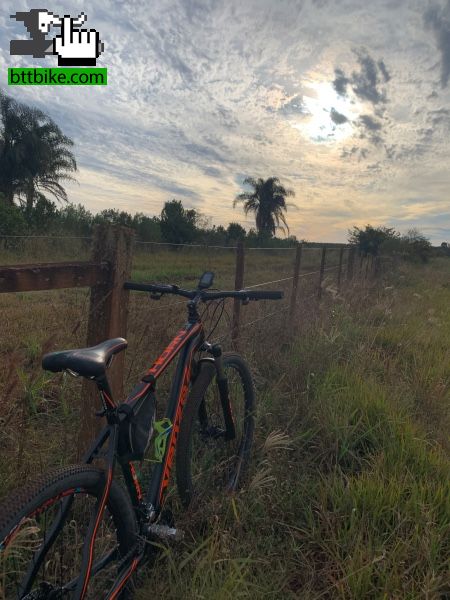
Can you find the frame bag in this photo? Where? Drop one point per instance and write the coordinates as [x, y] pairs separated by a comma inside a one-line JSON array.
[[136, 430]]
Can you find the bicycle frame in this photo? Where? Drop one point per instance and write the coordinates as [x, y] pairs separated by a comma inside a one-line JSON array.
[[148, 507]]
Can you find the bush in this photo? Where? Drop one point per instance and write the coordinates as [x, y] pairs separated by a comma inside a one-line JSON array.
[[12, 221], [416, 246]]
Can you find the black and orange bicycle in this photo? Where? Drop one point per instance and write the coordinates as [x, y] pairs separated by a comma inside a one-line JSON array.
[[79, 533]]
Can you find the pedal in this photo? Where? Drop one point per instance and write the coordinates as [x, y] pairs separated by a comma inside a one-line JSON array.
[[164, 532]]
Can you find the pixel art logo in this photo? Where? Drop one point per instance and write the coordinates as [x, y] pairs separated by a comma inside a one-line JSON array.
[[73, 46]]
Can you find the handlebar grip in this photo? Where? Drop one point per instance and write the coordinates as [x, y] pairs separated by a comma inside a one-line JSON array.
[[255, 295], [148, 287]]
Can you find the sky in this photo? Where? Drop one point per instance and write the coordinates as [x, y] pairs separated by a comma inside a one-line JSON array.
[[346, 101]]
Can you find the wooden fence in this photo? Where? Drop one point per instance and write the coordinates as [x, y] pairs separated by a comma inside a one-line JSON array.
[[110, 266]]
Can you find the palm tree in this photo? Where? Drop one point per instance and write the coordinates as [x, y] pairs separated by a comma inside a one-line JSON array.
[[268, 202], [35, 156]]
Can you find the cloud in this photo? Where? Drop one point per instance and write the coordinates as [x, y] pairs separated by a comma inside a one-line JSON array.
[[437, 19], [440, 116], [384, 71], [370, 123], [294, 106], [340, 82], [337, 117], [365, 83]]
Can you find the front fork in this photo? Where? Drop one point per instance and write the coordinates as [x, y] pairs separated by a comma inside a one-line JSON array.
[[222, 383]]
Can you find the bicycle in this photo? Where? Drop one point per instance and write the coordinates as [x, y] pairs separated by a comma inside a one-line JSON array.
[[76, 532]]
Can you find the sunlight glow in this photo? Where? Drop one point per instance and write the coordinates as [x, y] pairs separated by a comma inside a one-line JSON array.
[[321, 103]]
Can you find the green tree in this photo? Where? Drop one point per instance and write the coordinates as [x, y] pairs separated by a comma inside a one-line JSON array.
[[75, 219], [416, 245], [235, 233], [42, 216], [147, 228], [370, 240], [35, 156], [267, 201], [12, 221], [114, 217], [178, 225]]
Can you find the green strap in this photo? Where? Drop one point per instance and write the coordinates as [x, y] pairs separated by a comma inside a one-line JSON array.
[[163, 428]]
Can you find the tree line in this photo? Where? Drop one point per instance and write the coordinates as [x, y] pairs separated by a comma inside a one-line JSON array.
[[175, 225], [36, 160]]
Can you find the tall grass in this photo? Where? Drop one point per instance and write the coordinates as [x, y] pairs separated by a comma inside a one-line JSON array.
[[349, 494]]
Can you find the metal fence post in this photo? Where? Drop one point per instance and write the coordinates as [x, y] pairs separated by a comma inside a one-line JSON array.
[[297, 266], [321, 272], [339, 276], [350, 263], [238, 285]]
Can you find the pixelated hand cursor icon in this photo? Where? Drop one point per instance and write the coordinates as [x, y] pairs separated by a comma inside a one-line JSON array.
[[75, 46]]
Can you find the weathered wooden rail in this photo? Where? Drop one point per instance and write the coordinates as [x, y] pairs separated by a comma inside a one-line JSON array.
[[104, 274]]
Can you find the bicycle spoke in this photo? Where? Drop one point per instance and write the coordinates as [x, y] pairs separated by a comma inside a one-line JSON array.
[[42, 551]]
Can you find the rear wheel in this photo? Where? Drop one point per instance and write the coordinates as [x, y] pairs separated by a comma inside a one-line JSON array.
[[208, 462], [26, 521]]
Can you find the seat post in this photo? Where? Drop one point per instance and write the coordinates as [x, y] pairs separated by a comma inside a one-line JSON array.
[[105, 391]]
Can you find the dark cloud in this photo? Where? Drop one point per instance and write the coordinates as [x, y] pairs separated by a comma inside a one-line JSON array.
[[437, 19], [384, 71], [355, 151], [440, 116], [366, 84], [337, 117], [294, 106], [370, 123], [212, 172], [340, 82], [204, 151]]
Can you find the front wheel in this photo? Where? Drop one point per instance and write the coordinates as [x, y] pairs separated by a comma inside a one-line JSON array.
[[207, 460], [43, 528]]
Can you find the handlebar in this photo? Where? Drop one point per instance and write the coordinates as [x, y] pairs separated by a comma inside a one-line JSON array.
[[203, 295]]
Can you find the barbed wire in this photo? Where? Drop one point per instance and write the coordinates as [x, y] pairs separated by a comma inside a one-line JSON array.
[[271, 248], [250, 287], [185, 245], [46, 237], [142, 243]]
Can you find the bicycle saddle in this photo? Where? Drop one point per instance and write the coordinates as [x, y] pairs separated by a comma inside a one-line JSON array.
[[88, 362]]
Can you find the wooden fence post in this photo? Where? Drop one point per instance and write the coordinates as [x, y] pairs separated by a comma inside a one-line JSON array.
[[297, 266], [321, 272], [108, 314], [238, 285], [341, 257], [350, 263]]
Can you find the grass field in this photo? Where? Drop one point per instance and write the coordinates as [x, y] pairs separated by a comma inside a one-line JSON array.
[[348, 493]]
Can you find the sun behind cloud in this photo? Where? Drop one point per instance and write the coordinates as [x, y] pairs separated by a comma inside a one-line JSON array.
[[328, 116]]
